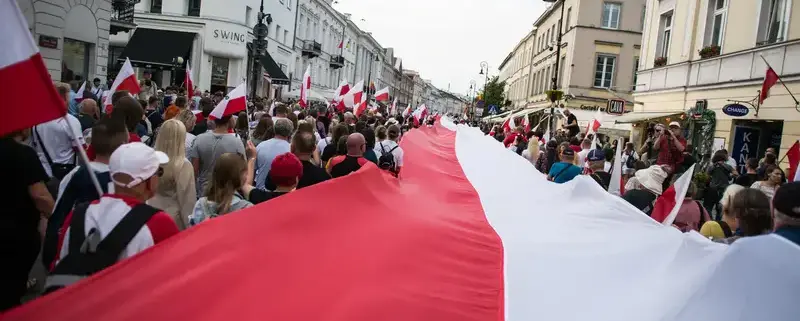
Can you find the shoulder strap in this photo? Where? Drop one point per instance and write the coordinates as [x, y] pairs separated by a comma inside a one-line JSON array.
[[725, 229], [44, 149], [77, 229], [383, 151], [702, 212], [561, 171], [395, 147], [122, 234]]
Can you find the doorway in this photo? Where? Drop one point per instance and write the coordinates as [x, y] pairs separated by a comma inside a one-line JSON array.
[[751, 138]]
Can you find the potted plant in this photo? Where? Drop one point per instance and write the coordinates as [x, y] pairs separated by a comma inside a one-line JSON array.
[[660, 61], [709, 51], [554, 95]]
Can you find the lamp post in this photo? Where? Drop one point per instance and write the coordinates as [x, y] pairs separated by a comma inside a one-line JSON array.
[[177, 62], [259, 47], [471, 96], [555, 69]]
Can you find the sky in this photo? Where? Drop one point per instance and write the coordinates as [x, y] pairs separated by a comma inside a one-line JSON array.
[[446, 40]]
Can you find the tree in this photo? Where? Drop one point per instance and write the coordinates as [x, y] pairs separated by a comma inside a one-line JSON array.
[[493, 95]]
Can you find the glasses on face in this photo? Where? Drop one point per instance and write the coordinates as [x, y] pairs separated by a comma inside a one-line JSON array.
[[160, 172]]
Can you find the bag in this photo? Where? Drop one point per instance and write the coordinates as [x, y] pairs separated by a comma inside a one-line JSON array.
[[631, 161], [89, 254], [720, 178], [58, 170], [386, 161], [702, 217]]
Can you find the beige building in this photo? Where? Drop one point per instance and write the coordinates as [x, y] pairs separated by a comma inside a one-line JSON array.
[[515, 71], [599, 53], [674, 75]]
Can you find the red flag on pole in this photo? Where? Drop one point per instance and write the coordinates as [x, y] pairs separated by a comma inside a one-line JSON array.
[[341, 43], [188, 81], [794, 159], [770, 79], [22, 70]]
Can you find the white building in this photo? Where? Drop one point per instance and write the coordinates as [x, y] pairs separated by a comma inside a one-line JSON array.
[[324, 43], [212, 36], [73, 35]]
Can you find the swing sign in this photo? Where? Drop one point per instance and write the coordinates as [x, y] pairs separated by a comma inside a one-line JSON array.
[[735, 110]]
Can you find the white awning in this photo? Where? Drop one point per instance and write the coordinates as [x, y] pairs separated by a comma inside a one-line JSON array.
[[636, 117], [528, 111]]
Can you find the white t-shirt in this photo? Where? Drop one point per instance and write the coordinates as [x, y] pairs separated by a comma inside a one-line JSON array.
[[388, 145], [58, 141], [732, 163], [582, 157], [322, 143], [189, 141]]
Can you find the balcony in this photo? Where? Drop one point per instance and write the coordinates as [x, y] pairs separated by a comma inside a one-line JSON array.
[[723, 70], [337, 62], [312, 49], [122, 16]]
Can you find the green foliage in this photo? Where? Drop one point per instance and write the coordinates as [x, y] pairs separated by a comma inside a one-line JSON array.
[[493, 94], [554, 95]]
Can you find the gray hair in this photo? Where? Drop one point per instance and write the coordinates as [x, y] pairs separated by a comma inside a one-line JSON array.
[[283, 127], [349, 115]]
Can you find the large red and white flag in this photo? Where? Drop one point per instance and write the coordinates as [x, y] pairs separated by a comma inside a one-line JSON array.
[[343, 88], [526, 122], [305, 88], [354, 96], [188, 81], [79, 93], [233, 103], [407, 111], [793, 155], [669, 203], [770, 79], [31, 97], [126, 80], [508, 124], [458, 250], [595, 123], [361, 107], [393, 109], [382, 95], [420, 113]]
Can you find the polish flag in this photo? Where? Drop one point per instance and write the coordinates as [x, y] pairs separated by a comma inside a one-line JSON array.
[[458, 250], [669, 203], [527, 123], [198, 116], [615, 187], [595, 123], [793, 155], [32, 99], [126, 80], [361, 106], [420, 113], [233, 103], [79, 94], [188, 81], [509, 124], [305, 88], [407, 111], [343, 88], [393, 109], [382, 95], [770, 79], [354, 96]]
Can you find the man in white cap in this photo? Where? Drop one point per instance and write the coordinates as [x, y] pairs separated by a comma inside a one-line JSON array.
[[118, 225], [670, 145]]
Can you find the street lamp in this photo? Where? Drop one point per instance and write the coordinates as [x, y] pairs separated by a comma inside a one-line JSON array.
[[259, 47], [177, 62], [553, 95]]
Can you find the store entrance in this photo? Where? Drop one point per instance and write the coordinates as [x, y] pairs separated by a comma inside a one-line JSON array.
[[751, 138]]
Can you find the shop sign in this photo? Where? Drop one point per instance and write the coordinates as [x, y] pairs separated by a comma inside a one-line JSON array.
[[225, 40], [591, 107], [735, 110], [478, 111], [745, 145], [48, 42], [615, 107]]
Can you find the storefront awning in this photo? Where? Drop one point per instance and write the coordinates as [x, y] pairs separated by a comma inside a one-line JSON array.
[[636, 117], [273, 70], [153, 48]]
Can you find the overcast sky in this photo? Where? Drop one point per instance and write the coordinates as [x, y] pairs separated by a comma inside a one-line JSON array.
[[446, 40]]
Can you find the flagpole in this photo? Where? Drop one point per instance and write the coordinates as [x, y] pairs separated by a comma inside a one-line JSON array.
[[796, 102], [84, 157]]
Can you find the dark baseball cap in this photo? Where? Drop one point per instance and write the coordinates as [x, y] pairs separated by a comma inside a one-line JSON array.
[[786, 199], [568, 152], [596, 155]]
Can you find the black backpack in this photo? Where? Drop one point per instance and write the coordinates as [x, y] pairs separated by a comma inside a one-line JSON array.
[[386, 161], [89, 255], [720, 177], [631, 161]]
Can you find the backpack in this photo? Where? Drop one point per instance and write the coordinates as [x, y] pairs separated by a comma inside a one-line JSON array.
[[631, 161], [386, 161], [90, 254], [720, 177]]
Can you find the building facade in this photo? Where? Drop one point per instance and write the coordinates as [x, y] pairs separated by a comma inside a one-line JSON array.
[[73, 36], [716, 52], [599, 53], [320, 31]]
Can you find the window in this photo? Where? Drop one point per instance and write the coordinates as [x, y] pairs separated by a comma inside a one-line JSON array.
[[611, 12], [194, 8], [285, 36], [219, 74], [635, 71], [278, 33], [547, 79], [289, 4], [569, 14], [773, 22], [665, 35], [715, 25], [248, 15], [75, 60], [644, 14], [604, 71], [155, 6]]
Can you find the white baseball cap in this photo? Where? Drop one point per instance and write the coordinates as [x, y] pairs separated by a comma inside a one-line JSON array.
[[137, 160], [675, 124]]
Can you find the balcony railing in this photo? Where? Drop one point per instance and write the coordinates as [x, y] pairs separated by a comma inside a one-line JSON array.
[[122, 16], [312, 49], [741, 66], [337, 62]]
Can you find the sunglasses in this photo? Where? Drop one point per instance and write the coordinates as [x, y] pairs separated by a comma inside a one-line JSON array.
[[159, 172]]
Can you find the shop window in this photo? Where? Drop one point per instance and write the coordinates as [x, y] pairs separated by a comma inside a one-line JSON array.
[[75, 60], [611, 12], [155, 6], [773, 22], [604, 71], [715, 23], [219, 74], [194, 8]]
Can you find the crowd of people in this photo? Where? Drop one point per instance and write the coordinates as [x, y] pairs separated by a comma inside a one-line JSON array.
[[720, 203], [162, 165]]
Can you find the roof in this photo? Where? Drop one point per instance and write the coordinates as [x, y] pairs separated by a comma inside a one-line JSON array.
[[505, 61]]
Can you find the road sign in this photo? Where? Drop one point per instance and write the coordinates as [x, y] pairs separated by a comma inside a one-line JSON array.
[[615, 107], [493, 109]]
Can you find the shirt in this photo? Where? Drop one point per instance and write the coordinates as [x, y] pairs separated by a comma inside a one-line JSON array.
[[602, 178], [690, 215], [762, 186], [259, 196], [668, 153], [312, 174], [573, 129], [641, 199], [563, 172], [343, 165], [58, 140], [19, 169], [582, 157], [207, 148], [388, 145], [266, 153], [86, 121], [746, 179]]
